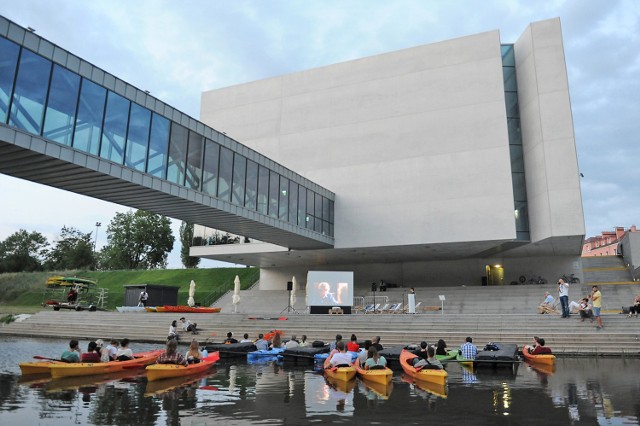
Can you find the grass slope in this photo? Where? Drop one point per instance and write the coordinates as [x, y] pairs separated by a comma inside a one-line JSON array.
[[26, 289]]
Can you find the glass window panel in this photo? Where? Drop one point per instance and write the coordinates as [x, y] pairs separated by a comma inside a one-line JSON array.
[[318, 209], [60, 114], [210, 169], [509, 77], [325, 209], [89, 121], [331, 212], [138, 137], [517, 162], [283, 210], [511, 101], [522, 217], [309, 221], [263, 189], [239, 179], [310, 202], [302, 206], [158, 146], [519, 187], [177, 154], [274, 189], [293, 202], [114, 130], [30, 94], [226, 173], [513, 124], [507, 55], [194, 161], [318, 225], [251, 194], [325, 228], [8, 62]]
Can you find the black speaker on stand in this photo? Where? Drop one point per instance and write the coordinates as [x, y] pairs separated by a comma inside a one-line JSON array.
[[374, 288], [289, 308]]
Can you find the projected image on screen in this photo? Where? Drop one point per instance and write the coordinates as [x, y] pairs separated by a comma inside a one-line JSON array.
[[329, 288]]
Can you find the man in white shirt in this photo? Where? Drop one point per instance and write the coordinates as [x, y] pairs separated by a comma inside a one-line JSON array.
[[342, 357], [293, 343], [563, 293]]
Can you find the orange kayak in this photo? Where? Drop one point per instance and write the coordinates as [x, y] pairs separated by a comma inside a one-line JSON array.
[[74, 369], [548, 359], [339, 373], [382, 376], [166, 371], [428, 375]]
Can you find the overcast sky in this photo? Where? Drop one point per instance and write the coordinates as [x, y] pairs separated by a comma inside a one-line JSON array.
[[178, 49]]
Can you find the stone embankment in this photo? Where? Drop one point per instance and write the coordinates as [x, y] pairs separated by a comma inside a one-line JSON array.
[[620, 336]]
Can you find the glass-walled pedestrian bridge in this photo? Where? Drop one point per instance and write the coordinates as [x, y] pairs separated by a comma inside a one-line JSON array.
[[70, 125]]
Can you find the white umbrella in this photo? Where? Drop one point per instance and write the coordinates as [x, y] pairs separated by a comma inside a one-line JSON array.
[[236, 293], [292, 300], [192, 292]]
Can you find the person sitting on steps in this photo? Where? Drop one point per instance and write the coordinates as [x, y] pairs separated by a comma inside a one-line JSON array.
[[547, 305], [635, 307]]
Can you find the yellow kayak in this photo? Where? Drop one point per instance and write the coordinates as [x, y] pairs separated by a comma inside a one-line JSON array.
[[382, 376], [339, 373], [167, 371], [37, 367], [74, 369]]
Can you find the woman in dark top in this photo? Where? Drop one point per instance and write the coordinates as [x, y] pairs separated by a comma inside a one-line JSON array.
[[441, 348]]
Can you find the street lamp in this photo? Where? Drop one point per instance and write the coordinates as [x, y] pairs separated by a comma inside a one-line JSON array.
[[98, 225]]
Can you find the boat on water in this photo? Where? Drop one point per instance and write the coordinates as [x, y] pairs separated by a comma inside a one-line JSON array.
[[167, 371], [271, 353], [188, 309], [426, 374], [548, 359], [381, 375], [140, 360], [344, 374], [451, 355], [37, 367]]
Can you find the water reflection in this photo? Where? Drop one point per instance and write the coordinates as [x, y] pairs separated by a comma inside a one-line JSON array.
[[579, 391]]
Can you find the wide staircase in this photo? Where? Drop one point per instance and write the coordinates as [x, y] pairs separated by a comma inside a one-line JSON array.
[[488, 314], [604, 270]]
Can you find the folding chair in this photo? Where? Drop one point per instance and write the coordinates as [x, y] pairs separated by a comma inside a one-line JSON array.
[[371, 309]]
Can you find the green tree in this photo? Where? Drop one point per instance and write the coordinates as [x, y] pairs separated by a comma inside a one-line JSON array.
[[186, 238], [140, 240], [73, 250], [23, 252]]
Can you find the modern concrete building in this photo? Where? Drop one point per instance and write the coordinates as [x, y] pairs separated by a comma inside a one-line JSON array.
[[451, 163]]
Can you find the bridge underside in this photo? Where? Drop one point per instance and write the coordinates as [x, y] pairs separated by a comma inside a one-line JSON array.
[[25, 156]]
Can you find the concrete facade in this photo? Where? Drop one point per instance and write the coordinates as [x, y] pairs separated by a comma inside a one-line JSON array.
[[415, 146]]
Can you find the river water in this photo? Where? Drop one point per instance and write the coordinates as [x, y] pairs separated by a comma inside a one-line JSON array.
[[581, 391]]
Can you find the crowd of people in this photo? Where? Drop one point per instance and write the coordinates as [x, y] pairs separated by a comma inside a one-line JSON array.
[[116, 350], [588, 306]]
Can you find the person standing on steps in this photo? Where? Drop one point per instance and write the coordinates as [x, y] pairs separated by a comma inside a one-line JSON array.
[[563, 293], [596, 300]]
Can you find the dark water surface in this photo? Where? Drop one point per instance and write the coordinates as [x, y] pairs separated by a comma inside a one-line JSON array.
[[580, 391]]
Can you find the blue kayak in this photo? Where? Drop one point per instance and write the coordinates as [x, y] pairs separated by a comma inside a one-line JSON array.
[[265, 353]]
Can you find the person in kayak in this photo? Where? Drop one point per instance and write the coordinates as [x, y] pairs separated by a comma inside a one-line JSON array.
[[124, 352], [341, 357], [92, 354], [171, 355], [193, 354], [73, 353]]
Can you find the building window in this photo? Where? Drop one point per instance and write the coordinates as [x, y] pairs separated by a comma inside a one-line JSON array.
[[60, 115], [30, 93]]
